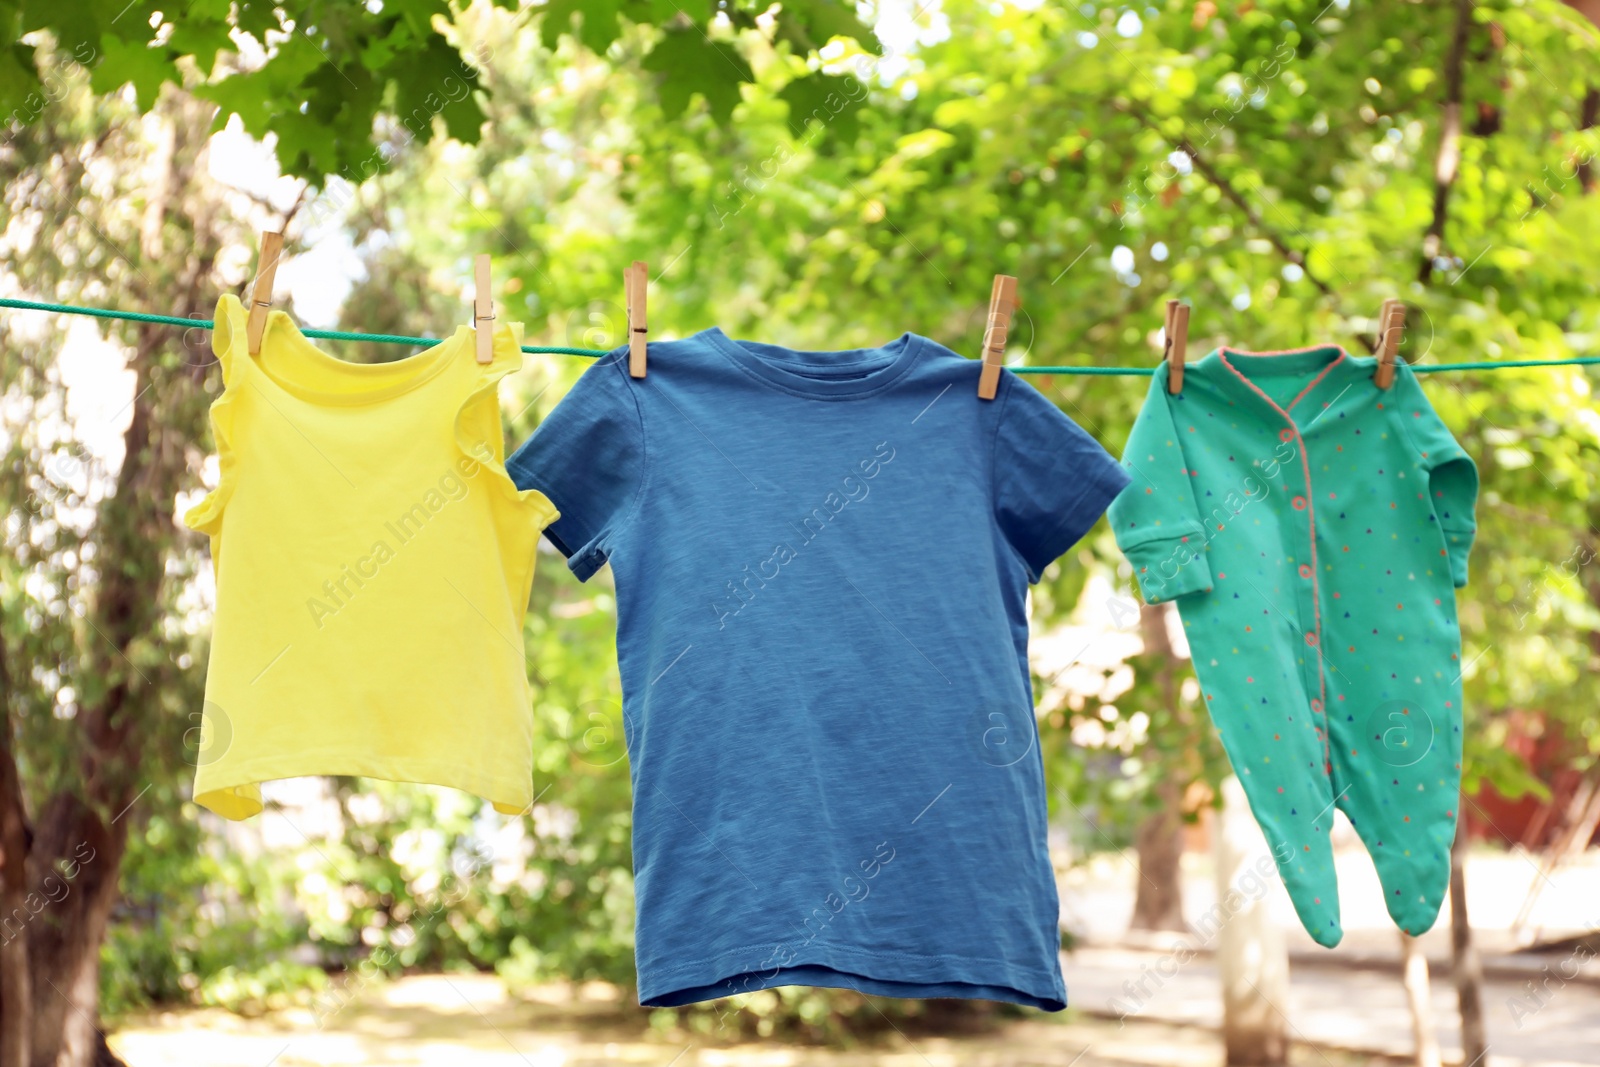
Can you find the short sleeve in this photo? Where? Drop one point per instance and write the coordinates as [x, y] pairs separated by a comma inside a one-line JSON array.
[[1452, 476], [1052, 481], [588, 457]]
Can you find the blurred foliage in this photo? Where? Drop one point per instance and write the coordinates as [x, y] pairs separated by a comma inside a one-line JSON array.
[[1110, 750], [199, 922], [1272, 163]]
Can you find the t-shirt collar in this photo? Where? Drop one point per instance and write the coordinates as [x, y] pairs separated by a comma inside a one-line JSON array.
[[850, 373]]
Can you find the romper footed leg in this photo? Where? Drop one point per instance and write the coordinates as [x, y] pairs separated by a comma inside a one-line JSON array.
[[1401, 760], [1280, 759]]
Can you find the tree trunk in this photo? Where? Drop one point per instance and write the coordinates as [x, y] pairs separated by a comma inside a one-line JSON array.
[[1414, 968], [64, 938], [1587, 118], [1158, 902], [80, 836], [1158, 899], [1252, 957], [15, 986], [1467, 968], [16, 1001]]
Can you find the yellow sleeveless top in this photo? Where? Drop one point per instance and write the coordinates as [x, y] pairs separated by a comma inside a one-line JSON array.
[[373, 563]]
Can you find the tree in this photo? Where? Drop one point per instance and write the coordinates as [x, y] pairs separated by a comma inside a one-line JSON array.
[[313, 76], [1158, 894], [93, 691], [1252, 957]]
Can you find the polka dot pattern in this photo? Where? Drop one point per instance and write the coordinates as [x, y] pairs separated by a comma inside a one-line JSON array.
[[1325, 526]]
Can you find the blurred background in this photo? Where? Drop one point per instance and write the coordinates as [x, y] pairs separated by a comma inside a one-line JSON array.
[[825, 175]]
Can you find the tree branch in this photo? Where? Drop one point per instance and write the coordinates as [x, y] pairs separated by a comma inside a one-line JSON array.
[[1227, 189], [1587, 117], [1448, 159]]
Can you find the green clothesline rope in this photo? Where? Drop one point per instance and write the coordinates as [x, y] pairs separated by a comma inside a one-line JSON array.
[[1416, 368], [328, 335], [428, 342]]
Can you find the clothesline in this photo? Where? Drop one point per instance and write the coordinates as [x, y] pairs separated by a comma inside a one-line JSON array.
[[564, 350]]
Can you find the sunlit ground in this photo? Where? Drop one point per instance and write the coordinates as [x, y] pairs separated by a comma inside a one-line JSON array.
[[472, 1021], [1350, 998]]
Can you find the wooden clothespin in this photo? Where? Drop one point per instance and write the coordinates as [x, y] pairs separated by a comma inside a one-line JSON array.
[[635, 282], [1002, 302], [1391, 323], [1176, 344], [261, 292], [483, 308]]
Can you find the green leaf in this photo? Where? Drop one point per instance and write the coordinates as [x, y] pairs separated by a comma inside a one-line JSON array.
[[72, 21], [689, 63], [830, 100], [662, 12], [305, 146], [810, 24], [236, 96], [19, 80], [417, 15], [333, 94], [256, 17], [201, 38], [147, 68], [598, 25], [432, 84]]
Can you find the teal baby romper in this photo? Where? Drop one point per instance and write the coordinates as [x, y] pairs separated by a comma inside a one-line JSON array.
[[1312, 529]]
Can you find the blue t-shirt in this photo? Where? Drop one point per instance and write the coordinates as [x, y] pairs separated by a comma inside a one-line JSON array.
[[821, 561]]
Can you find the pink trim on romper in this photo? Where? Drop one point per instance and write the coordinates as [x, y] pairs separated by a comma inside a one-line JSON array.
[[1311, 516], [1317, 380], [1223, 354]]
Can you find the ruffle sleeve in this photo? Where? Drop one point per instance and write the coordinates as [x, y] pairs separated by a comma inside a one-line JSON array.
[[228, 342]]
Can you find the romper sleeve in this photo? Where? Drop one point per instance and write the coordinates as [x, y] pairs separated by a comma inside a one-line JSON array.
[[588, 458], [1452, 475], [1052, 481], [1157, 521]]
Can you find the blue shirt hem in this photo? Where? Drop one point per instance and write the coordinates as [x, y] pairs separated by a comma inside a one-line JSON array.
[[886, 974]]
